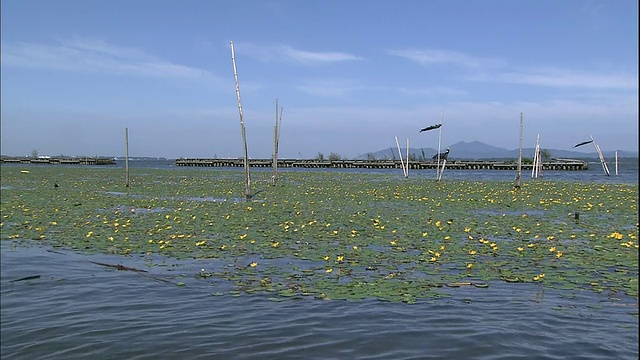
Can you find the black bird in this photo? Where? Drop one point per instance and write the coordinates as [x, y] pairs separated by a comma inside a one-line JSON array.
[[432, 127], [443, 155], [55, 184]]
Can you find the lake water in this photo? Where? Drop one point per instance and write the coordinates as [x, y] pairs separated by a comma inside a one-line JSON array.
[[77, 309]]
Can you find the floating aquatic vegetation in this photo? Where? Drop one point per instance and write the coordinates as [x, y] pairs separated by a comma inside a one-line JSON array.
[[337, 235]]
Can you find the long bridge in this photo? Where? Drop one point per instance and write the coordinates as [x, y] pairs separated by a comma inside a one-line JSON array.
[[570, 165], [59, 160]]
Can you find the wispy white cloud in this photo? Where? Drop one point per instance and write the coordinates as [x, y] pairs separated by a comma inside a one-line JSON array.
[[443, 57], [316, 57], [499, 71], [561, 78], [288, 53], [94, 56]]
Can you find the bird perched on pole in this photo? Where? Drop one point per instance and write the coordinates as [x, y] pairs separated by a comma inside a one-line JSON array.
[[442, 156]]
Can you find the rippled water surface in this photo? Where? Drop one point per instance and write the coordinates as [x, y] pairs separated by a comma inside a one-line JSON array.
[[78, 310]]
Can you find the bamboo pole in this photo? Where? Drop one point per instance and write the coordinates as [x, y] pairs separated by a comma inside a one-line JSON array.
[[536, 159], [401, 161], [247, 177], [602, 160], [126, 157], [407, 164], [439, 142], [444, 163], [274, 178], [519, 173]]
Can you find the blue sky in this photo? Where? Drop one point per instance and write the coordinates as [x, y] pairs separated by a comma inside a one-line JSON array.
[[350, 75]]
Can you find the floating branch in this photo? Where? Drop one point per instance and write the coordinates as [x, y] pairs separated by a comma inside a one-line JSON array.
[[118, 266], [32, 277]]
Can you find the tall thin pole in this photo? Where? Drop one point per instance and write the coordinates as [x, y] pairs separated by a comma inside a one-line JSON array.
[[616, 162], [247, 178], [275, 148], [126, 157], [602, 160], [439, 141], [535, 160], [407, 164], [519, 173], [404, 171]]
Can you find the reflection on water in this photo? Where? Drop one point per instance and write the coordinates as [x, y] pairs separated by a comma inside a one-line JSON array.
[[78, 310]]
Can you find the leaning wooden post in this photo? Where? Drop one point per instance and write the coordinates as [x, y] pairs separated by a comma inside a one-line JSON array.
[[126, 157], [274, 178], [247, 178], [519, 173]]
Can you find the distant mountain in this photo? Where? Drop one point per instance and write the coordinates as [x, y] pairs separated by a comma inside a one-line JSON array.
[[476, 150]]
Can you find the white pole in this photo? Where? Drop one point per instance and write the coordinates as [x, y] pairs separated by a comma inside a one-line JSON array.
[[444, 162], [602, 160], [401, 162], [439, 141], [536, 154], [616, 162], [407, 171]]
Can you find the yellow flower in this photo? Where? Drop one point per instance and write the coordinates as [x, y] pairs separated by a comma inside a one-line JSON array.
[[438, 223], [552, 249], [550, 237], [243, 236], [253, 264], [393, 242], [442, 247], [467, 229], [469, 265], [559, 254], [355, 247], [433, 259], [89, 234], [249, 208], [340, 258], [531, 245], [472, 252], [275, 244], [329, 270], [447, 237], [520, 248], [53, 223], [424, 234]]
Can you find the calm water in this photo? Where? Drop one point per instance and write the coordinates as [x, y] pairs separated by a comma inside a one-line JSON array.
[[79, 310]]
